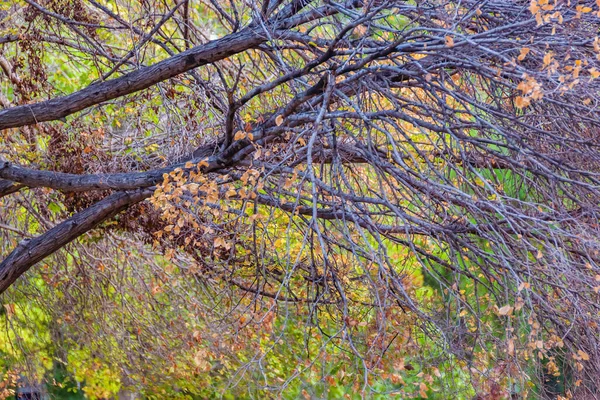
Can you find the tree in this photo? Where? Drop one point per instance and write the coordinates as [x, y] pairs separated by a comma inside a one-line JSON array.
[[343, 151]]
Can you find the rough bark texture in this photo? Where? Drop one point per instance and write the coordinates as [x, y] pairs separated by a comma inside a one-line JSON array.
[[135, 81], [79, 183], [29, 252]]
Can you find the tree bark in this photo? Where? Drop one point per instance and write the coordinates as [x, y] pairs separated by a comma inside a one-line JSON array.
[[31, 251], [132, 82]]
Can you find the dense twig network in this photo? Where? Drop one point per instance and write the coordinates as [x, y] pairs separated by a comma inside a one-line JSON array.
[[339, 147]]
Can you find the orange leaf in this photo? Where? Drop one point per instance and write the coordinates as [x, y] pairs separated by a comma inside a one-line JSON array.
[[533, 7], [522, 102], [584, 356], [239, 135], [524, 52], [548, 58]]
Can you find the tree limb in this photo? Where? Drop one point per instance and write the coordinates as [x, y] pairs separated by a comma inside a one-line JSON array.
[[29, 252], [132, 82]]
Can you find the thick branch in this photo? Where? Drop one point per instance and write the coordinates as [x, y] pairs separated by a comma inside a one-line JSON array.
[[135, 81], [80, 183], [9, 187], [29, 252]]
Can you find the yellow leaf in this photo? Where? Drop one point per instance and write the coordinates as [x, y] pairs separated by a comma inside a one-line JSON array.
[[583, 9], [583, 355], [279, 120]]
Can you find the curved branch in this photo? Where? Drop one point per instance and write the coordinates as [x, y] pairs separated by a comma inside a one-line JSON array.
[[29, 252], [132, 82]]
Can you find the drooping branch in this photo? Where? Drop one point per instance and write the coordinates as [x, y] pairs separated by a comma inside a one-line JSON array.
[[29, 252]]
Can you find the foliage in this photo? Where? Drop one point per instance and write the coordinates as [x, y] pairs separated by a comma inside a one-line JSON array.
[[297, 198]]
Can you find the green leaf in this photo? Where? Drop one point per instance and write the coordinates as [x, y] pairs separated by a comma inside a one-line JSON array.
[[54, 208]]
